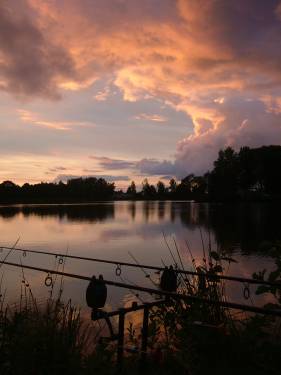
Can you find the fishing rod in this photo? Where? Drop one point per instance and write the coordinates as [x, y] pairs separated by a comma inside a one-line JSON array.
[[145, 266], [173, 295]]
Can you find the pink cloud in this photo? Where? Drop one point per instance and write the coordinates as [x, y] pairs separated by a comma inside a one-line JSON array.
[[219, 61]]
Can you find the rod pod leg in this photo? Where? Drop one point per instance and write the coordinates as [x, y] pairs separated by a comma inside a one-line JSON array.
[[144, 336], [120, 347]]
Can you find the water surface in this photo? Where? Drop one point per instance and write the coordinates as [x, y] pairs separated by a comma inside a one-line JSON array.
[[120, 230]]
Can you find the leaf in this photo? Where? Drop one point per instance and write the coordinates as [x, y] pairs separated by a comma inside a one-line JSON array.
[[272, 306], [217, 269], [274, 275], [262, 289], [259, 275], [265, 246], [215, 255], [228, 259]]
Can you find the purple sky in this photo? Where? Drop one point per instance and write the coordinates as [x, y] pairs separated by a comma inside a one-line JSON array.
[[127, 89]]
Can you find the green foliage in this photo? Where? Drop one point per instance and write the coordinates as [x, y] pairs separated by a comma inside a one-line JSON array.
[[173, 185], [272, 276], [185, 337], [248, 173], [78, 189], [132, 189], [161, 189], [148, 191], [48, 339]]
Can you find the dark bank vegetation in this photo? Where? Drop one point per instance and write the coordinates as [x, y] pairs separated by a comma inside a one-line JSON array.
[[250, 174], [188, 338], [75, 190]]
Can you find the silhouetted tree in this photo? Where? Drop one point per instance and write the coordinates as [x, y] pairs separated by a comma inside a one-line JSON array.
[[223, 181], [161, 189], [250, 173], [245, 175], [132, 189], [148, 191], [172, 185], [199, 185], [76, 190]]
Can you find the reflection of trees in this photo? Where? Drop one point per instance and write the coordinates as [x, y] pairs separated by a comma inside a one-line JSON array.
[[243, 226], [90, 213], [9, 211], [246, 225], [173, 212], [132, 209], [149, 209], [161, 210], [194, 214]]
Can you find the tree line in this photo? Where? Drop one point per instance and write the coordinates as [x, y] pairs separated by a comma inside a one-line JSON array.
[[75, 190], [249, 174]]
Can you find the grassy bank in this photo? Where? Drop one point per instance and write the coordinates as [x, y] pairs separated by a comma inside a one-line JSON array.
[[194, 338]]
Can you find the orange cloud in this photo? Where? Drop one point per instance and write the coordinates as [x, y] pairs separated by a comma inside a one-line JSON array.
[[33, 119], [195, 56], [148, 117]]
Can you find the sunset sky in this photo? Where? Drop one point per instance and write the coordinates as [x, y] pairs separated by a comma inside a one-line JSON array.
[[127, 89]]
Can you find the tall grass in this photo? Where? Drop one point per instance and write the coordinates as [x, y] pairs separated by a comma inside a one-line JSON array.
[[48, 339], [199, 338], [189, 338]]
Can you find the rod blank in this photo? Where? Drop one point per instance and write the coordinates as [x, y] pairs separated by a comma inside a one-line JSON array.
[[176, 296], [154, 268]]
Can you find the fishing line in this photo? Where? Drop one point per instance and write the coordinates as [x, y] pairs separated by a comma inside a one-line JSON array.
[[156, 268], [9, 252], [171, 253], [147, 275], [173, 295]]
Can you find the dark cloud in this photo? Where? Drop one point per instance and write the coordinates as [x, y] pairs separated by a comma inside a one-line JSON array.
[[112, 164], [57, 169], [30, 64], [240, 43], [109, 15], [91, 171], [146, 167], [155, 167]]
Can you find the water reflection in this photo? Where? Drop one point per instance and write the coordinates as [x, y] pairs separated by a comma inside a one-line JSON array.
[[245, 227], [234, 226], [89, 213], [132, 209], [112, 230]]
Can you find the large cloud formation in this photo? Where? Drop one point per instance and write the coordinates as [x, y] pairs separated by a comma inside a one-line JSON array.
[[219, 61], [144, 167], [30, 63]]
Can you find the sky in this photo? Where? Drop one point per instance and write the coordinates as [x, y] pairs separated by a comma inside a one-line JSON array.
[[128, 89]]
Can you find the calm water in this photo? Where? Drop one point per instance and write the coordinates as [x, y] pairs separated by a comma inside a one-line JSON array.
[[114, 230]]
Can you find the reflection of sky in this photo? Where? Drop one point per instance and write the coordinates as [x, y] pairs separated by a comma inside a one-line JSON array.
[[123, 227]]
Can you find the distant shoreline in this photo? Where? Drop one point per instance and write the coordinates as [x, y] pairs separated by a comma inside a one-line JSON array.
[[101, 201]]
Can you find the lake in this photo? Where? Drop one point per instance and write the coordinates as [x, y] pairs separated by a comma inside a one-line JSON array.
[[129, 231]]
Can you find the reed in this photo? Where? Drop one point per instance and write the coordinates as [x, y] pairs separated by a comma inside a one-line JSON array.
[[51, 337]]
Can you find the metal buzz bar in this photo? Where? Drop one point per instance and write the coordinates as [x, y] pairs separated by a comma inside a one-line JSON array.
[[144, 266]]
